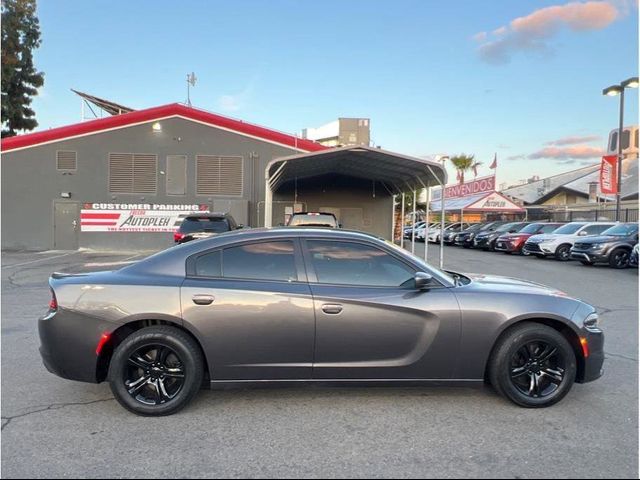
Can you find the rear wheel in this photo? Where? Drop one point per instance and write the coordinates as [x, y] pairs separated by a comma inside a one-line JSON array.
[[156, 371], [619, 258], [563, 253], [533, 365]]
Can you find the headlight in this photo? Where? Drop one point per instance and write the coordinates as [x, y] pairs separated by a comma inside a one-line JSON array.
[[592, 323], [597, 246], [471, 235]]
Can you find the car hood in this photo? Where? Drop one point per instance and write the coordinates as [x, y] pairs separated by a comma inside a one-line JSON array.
[[508, 236], [511, 285], [603, 239], [548, 236]]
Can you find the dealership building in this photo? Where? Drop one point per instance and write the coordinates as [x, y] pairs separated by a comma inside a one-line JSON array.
[[126, 181]]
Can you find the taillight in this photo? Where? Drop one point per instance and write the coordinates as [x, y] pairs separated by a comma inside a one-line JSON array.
[[178, 236], [53, 303]]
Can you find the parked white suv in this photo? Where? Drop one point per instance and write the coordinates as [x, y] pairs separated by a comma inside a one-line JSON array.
[[434, 234], [421, 232], [559, 242]]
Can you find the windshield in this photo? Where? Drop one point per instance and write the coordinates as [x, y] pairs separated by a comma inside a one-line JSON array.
[[474, 227], [194, 224], [506, 227], [569, 228], [624, 230], [533, 228], [316, 220]]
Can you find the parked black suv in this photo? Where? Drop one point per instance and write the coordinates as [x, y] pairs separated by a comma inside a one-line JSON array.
[[613, 247], [487, 240], [203, 225], [465, 237]]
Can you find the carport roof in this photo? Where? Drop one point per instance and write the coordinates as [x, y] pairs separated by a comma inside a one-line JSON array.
[[398, 173]]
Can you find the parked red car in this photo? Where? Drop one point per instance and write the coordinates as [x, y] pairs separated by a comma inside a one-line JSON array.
[[513, 242]]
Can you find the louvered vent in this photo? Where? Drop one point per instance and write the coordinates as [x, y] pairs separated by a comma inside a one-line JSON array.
[[66, 160], [219, 175], [133, 173]]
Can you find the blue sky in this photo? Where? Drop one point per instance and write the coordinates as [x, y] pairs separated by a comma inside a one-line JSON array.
[[420, 69]]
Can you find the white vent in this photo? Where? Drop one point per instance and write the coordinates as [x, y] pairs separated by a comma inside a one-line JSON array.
[[66, 160], [133, 173], [217, 175]]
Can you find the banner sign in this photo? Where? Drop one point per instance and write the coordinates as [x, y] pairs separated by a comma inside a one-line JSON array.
[[480, 185], [609, 174], [134, 217], [495, 201]]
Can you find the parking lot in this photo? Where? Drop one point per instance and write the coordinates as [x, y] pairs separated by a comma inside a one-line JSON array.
[[57, 428]]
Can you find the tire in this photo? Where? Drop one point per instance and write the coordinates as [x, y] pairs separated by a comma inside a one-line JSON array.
[[563, 252], [619, 258], [536, 384], [179, 376]]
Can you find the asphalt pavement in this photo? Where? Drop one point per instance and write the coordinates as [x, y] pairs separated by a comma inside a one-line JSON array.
[[57, 428]]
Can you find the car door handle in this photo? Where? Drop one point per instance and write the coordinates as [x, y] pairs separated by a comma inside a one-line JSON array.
[[331, 309], [203, 299]]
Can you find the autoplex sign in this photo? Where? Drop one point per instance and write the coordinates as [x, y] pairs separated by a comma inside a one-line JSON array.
[[495, 201], [480, 185], [134, 217], [609, 174]]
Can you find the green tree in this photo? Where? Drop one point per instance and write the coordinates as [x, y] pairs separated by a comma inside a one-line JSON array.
[[20, 79], [463, 164]]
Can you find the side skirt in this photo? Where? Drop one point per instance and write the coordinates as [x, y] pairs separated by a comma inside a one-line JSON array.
[[230, 384]]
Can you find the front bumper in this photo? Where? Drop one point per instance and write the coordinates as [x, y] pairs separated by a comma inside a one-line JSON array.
[[505, 246], [484, 243], [68, 344], [593, 364], [589, 256], [540, 249], [633, 260]]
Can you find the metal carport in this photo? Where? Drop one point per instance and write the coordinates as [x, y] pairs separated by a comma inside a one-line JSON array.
[[398, 174]]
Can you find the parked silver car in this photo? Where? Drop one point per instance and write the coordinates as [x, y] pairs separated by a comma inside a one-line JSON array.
[[311, 305]]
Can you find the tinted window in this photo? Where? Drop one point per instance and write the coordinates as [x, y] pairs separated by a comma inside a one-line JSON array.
[[209, 265], [549, 228], [260, 261], [195, 224], [622, 230], [533, 228], [596, 229], [346, 263], [311, 220], [569, 228]]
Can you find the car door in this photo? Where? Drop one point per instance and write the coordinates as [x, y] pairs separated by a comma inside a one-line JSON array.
[[370, 321], [252, 308]]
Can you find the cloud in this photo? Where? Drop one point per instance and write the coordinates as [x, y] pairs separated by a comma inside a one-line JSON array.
[[517, 157], [236, 101], [568, 154], [575, 140], [532, 32]]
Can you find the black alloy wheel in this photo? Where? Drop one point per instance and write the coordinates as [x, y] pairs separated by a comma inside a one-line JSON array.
[[619, 258], [533, 365], [155, 375], [156, 371], [537, 369]]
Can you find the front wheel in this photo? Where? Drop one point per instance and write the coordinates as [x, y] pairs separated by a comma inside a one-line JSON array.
[[533, 365], [619, 258], [156, 371], [563, 253]]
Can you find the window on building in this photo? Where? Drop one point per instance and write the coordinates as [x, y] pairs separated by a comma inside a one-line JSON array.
[[216, 175], [176, 175], [133, 173], [66, 160], [347, 263]]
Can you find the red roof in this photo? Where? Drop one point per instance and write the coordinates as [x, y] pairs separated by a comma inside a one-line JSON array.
[[157, 113]]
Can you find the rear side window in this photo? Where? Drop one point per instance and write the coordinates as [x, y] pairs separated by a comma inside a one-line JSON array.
[[195, 224], [253, 261], [346, 263]]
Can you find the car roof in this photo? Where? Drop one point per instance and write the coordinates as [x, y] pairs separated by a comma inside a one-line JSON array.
[[207, 215]]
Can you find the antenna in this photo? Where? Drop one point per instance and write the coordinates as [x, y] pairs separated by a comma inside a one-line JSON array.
[[191, 82]]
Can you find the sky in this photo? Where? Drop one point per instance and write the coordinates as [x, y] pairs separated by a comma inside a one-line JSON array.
[[520, 79]]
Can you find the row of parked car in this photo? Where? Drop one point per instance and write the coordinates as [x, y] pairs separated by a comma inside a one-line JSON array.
[[588, 242]]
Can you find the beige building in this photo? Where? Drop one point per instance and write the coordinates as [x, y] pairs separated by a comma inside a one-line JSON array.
[[341, 133]]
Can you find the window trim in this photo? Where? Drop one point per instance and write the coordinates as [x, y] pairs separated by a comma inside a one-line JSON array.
[[313, 278], [297, 257]]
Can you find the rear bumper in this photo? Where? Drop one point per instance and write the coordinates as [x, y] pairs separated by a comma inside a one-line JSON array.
[[68, 344]]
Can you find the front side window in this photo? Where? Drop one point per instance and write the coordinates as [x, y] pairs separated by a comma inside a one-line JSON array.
[[347, 263], [596, 229], [253, 261]]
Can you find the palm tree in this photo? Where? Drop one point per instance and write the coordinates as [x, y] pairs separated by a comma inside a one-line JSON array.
[[464, 163]]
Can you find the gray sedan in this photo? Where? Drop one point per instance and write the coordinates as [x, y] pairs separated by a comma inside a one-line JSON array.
[[293, 306]]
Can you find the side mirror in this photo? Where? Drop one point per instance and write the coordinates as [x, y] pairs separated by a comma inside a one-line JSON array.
[[239, 227], [583, 233], [423, 280]]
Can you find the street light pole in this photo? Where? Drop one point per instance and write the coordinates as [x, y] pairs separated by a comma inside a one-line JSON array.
[[611, 92]]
